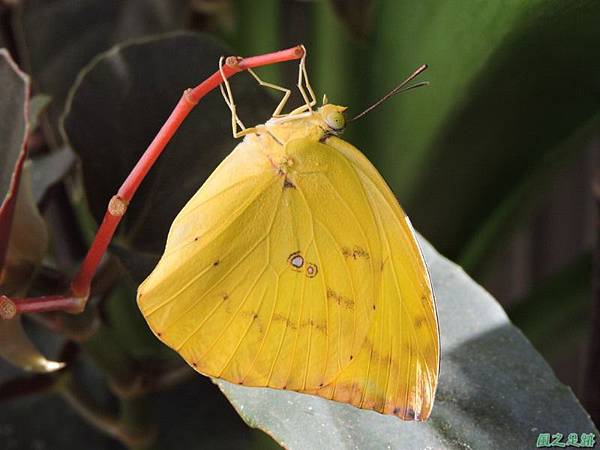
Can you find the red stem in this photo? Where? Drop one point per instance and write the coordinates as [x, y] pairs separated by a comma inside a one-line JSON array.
[[10, 307], [80, 286]]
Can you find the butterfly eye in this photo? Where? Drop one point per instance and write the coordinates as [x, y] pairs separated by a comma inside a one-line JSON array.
[[336, 120]]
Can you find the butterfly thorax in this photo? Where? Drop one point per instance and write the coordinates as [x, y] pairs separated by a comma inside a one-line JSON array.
[[293, 143], [317, 124]]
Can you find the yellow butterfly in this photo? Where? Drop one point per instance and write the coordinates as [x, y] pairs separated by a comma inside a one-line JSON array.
[[294, 267]]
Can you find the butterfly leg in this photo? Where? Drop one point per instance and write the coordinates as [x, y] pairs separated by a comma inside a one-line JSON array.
[[286, 95], [230, 102], [302, 82], [235, 120], [304, 86]]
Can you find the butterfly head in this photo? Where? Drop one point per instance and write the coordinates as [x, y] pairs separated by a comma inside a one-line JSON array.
[[333, 118]]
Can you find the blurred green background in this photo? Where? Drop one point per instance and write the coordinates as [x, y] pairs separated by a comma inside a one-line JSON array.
[[494, 162]]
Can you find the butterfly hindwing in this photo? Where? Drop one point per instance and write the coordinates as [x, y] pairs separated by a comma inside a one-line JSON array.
[[268, 277], [294, 267]]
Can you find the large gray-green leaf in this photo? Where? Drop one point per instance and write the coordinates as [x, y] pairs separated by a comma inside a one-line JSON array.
[[58, 37], [145, 79], [495, 391]]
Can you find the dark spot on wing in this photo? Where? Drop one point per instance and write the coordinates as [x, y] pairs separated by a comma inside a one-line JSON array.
[[315, 325], [311, 270], [296, 260], [374, 307], [216, 263], [419, 321], [341, 300], [355, 252], [281, 318], [287, 184], [196, 238]]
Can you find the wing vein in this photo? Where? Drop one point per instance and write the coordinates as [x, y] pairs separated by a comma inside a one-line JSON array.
[[322, 269], [409, 324], [262, 342], [250, 323], [224, 225], [233, 267], [236, 312]]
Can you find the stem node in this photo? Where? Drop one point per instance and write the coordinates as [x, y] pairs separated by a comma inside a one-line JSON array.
[[187, 94], [233, 61], [8, 309], [117, 206]]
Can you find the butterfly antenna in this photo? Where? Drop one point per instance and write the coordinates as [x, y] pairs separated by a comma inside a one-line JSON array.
[[402, 87]]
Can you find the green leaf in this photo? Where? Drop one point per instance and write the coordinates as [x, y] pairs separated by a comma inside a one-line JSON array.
[[342, 82], [27, 239], [257, 31], [509, 213], [14, 86], [139, 264], [18, 214], [495, 390], [16, 348], [37, 105], [128, 327], [109, 132], [48, 169], [356, 14], [564, 299], [27, 244], [23, 236], [58, 37], [510, 81]]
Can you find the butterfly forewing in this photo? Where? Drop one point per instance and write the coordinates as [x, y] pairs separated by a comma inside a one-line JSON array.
[[397, 368]]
